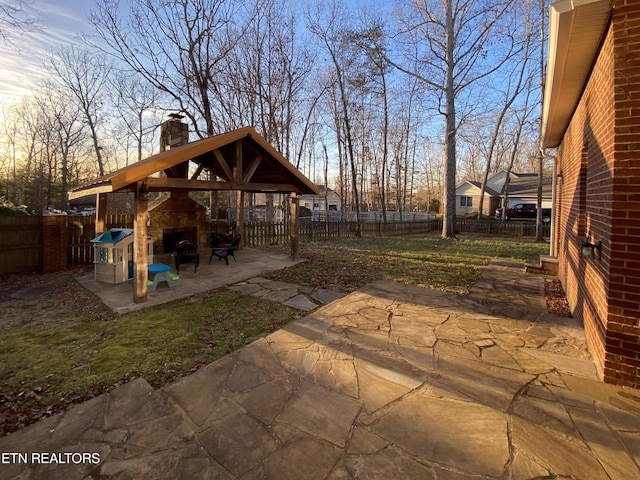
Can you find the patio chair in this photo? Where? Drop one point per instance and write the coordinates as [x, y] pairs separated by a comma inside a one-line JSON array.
[[226, 250], [219, 240], [186, 252]]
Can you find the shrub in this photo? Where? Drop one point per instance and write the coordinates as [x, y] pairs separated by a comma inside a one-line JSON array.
[[8, 209]]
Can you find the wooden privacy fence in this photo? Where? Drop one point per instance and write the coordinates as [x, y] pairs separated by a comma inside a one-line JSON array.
[[82, 229], [20, 244]]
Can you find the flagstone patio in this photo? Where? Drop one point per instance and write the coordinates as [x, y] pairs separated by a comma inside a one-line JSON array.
[[389, 382]]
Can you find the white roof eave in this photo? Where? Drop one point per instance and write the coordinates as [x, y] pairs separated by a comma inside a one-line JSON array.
[[576, 29]]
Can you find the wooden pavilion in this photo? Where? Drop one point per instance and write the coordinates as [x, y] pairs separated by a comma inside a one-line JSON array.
[[240, 160]]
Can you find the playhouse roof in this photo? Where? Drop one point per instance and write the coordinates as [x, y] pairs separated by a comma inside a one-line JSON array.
[[114, 235]]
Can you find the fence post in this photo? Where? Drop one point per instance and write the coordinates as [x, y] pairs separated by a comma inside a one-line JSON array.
[[54, 243], [295, 226]]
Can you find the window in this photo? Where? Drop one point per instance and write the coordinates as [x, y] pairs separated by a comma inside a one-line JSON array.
[[466, 201]]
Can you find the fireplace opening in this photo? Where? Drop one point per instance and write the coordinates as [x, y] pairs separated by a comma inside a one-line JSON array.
[[172, 236]]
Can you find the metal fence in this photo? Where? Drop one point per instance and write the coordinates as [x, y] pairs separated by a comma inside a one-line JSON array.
[[366, 217]]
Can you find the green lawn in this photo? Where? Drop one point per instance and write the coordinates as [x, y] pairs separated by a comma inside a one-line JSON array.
[[161, 343], [450, 265]]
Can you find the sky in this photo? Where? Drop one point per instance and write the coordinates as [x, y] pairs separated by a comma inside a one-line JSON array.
[[21, 61]]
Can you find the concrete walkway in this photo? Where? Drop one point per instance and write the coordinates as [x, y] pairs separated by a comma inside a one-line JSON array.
[[389, 382]]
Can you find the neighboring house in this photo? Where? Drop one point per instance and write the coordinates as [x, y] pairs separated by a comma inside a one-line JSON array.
[[316, 203], [523, 188], [591, 113], [468, 198]]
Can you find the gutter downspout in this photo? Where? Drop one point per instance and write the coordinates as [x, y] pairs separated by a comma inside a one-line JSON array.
[[554, 181]]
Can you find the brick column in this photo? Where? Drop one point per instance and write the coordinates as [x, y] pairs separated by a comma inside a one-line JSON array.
[[54, 243]]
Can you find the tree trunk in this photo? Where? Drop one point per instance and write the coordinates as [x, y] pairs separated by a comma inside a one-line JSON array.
[[449, 219]]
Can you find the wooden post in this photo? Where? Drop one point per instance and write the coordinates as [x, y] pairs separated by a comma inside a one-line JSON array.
[[237, 175], [240, 225], [140, 254], [101, 213], [295, 226]]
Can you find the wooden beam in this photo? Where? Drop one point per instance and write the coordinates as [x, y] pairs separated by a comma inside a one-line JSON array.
[[165, 184], [295, 227], [106, 188], [101, 213], [197, 173], [140, 257], [168, 184], [237, 162], [252, 168], [223, 164], [269, 187]]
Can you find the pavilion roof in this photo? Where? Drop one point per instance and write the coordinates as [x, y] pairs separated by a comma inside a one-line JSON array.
[[237, 160]]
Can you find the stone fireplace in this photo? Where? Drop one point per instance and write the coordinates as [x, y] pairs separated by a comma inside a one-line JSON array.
[[172, 236], [174, 218]]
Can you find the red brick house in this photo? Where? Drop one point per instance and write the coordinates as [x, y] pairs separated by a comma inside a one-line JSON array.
[[591, 113]]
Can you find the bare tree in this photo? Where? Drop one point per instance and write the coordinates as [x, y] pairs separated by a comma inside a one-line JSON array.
[[512, 89], [49, 142], [521, 117], [68, 132], [450, 43], [9, 157], [176, 46], [539, 224], [331, 36], [136, 101], [27, 179], [261, 81], [15, 20], [84, 76], [369, 43]]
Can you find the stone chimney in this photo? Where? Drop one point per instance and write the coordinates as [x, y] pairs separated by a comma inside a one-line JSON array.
[[176, 217], [174, 133]]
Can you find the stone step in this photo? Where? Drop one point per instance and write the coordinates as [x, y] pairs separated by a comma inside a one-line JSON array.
[[547, 265]]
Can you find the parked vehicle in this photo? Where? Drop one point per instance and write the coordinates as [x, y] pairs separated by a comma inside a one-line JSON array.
[[524, 211]]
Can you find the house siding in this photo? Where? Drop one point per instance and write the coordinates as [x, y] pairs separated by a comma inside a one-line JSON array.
[[599, 199], [469, 190]]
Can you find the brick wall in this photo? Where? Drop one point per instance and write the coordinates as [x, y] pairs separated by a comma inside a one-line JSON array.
[[622, 364], [584, 156], [599, 199], [54, 243]]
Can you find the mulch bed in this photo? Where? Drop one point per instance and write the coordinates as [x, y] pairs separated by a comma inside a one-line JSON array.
[[556, 298]]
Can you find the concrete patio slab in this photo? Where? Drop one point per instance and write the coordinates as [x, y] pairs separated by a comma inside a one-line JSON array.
[[251, 263]]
